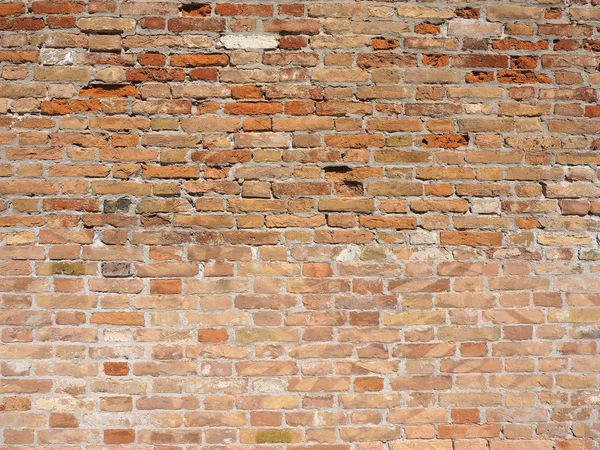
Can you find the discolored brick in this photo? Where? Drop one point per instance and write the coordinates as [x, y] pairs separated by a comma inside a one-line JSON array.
[[313, 225]]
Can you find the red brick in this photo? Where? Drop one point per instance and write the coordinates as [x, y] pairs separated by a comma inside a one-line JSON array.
[[119, 436], [116, 368], [299, 220]]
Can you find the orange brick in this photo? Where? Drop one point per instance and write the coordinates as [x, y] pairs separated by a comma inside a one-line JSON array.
[[330, 225]]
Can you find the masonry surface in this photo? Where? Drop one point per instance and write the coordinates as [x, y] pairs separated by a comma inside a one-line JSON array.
[[308, 226]]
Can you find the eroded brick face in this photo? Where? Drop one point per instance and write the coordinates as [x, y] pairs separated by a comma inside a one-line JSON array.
[[368, 225]]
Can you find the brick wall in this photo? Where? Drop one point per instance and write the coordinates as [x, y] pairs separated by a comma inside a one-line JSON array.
[[324, 226]]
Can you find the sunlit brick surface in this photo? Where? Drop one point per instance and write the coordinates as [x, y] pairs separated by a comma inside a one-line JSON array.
[[369, 225]]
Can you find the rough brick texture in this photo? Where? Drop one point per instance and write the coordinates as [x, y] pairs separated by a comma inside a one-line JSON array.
[[369, 225]]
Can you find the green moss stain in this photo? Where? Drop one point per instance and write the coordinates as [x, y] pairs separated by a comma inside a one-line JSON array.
[[68, 268], [373, 253], [273, 436], [399, 141], [254, 335]]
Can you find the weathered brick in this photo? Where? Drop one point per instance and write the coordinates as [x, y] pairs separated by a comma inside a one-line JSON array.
[[332, 225], [462, 27], [424, 12], [513, 12]]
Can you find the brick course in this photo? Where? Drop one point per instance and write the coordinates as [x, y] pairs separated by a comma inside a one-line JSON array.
[[367, 225]]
